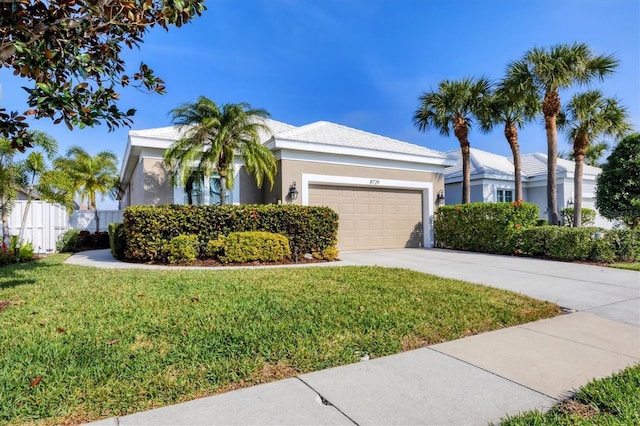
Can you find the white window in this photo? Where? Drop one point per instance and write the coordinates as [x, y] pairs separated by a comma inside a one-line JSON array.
[[504, 195], [208, 192]]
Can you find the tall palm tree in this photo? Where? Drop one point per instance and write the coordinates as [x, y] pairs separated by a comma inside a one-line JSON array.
[[91, 175], [452, 107], [44, 147], [213, 136], [587, 117], [512, 107], [546, 72]]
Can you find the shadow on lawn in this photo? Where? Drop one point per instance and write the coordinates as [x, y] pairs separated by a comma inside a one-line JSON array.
[[13, 275]]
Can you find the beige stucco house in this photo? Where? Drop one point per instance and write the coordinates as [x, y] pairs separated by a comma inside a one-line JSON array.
[[383, 189]]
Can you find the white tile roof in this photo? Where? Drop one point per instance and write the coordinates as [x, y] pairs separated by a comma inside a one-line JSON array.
[[173, 133], [536, 165], [482, 162], [326, 133]]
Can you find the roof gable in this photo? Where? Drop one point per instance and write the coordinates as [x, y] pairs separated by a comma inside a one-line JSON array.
[[326, 133]]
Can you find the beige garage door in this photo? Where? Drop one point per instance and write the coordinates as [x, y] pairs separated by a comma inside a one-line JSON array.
[[372, 218]]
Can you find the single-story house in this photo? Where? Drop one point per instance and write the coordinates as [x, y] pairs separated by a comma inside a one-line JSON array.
[[383, 189], [492, 180]]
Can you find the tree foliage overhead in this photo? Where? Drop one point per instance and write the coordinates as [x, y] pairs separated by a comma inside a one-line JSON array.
[[618, 186], [71, 51]]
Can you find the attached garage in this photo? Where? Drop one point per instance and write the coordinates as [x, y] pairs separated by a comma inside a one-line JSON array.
[[373, 217]]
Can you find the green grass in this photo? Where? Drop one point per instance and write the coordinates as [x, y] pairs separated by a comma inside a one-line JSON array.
[[613, 400], [81, 343], [631, 266]]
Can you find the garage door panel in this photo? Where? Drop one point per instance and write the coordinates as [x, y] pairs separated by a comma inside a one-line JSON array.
[[371, 218]]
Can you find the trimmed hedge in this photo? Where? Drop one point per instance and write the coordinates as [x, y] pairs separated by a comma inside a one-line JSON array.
[[483, 227], [149, 228], [241, 247], [586, 244], [117, 240], [182, 249]]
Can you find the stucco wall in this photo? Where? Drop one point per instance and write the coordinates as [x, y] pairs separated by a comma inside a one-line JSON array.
[[157, 187], [290, 171], [249, 192]]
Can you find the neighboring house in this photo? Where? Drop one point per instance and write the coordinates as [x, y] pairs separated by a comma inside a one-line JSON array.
[[383, 189], [492, 180]]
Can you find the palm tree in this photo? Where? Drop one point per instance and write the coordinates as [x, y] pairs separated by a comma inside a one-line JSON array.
[[11, 181], [213, 136], [545, 72], [592, 155], [587, 117], [452, 108], [90, 174], [33, 167], [513, 107]]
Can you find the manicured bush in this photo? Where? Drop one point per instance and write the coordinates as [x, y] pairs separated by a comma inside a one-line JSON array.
[[330, 253], [483, 227], [586, 244], [117, 241], [588, 216], [241, 247], [68, 242], [625, 243], [148, 228], [182, 249], [91, 241], [214, 248]]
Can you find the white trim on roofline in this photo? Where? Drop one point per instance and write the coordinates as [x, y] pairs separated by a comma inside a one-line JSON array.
[[425, 187], [343, 160], [279, 144]]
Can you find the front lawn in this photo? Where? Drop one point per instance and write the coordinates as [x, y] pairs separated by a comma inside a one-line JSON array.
[[80, 344], [630, 266], [614, 400]]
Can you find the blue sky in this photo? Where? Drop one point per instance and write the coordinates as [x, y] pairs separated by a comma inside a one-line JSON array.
[[359, 63]]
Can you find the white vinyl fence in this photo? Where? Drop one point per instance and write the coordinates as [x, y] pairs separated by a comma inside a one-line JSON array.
[[47, 222]]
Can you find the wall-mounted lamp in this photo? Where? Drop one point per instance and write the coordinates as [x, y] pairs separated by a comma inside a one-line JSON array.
[[293, 192], [440, 198], [570, 202]]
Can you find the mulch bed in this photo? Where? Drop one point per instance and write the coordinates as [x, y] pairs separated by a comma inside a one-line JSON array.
[[214, 263]]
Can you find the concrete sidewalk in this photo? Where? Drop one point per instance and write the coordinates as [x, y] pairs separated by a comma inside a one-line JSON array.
[[475, 380]]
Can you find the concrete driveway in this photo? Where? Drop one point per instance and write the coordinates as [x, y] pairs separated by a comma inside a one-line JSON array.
[[606, 292]]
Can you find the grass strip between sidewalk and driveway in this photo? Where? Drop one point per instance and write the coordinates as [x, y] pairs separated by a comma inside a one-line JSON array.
[[80, 343], [613, 400]]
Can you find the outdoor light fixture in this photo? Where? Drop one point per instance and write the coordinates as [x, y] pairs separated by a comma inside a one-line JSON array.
[[570, 202], [440, 198], [293, 192]]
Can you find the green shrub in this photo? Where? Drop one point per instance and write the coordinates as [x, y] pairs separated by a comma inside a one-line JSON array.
[[182, 249], [483, 227], [25, 252], [330, 253], [590, 244], [117, 241], [214, 248], [91, 241], [588, 216], [68, 242], [625, 243], [241, 247], [148, 228]]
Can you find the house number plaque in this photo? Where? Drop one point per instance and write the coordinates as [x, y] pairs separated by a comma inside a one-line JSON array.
[[374, 182]]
